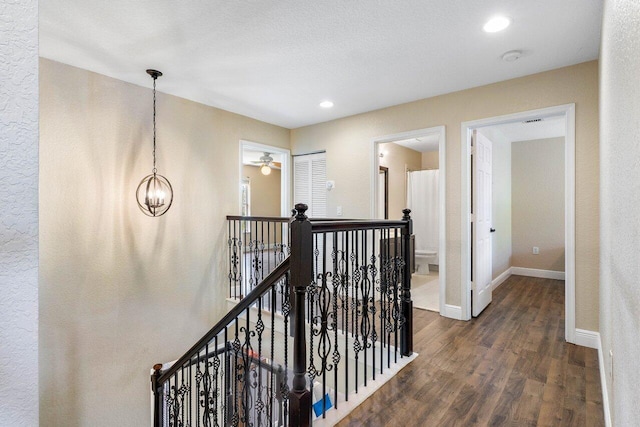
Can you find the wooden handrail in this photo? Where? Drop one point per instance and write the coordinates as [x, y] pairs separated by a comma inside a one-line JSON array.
[[328, 224], [321, 225], [234, 313], [258, 218]]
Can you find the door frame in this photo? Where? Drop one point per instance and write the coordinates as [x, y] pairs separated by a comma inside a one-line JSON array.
[[466, 129], [442, 237], [285, 172], [385, 170]]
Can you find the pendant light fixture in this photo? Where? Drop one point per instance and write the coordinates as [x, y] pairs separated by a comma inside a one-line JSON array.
[[266, 161], [154, 193], [265, 169]]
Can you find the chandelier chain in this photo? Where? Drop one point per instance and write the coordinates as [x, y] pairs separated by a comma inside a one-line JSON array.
[[154, 124]]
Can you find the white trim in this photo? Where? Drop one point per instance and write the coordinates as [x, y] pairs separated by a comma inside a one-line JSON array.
[[501, 278], [534, 272], [285, 172], [587, 338], [333, 416], [603, 383], [568, 110], [442, 213], [570, 223], [442, 190], [465, 218], [452, 312]]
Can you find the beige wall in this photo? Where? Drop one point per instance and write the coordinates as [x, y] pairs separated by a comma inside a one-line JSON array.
[[398, 159], [120, 291], [265, 191], [537, 203], [430, 160], [620, 208], [351, 138]]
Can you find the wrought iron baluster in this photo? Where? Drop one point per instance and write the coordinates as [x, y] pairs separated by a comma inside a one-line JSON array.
[[262, 249], [348, 236], [372, 301], [260, 401], [364, 304], [273, 295], [235, 418], [225, 397], [334, 298], [286, 311], [357, 277]]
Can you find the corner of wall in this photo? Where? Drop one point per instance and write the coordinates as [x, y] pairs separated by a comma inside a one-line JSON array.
[[19, 213]]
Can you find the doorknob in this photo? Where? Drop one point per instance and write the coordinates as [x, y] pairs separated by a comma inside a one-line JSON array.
[[493, 230]]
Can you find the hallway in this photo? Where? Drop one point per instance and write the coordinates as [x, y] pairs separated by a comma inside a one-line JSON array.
[[510, 366]]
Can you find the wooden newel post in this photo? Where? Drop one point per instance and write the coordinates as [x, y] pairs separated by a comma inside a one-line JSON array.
[[406, 336], [157, 396], [301, 277]]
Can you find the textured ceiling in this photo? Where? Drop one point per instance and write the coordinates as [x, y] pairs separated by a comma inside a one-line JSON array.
[[550, 127], [275, 60], [421, 144]]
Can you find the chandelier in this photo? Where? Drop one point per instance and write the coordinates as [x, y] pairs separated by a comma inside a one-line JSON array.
[[154, 194]]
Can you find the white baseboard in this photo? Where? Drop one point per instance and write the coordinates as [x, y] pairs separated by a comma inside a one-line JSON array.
[[603, 383], [452, 311], [534, 272], [587, 338], [501, 278]]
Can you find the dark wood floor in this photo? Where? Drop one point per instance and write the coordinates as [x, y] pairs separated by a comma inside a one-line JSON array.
[[510, 366]]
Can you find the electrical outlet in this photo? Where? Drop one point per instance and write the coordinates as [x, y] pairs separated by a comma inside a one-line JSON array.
[[536, 250], [339, 211]]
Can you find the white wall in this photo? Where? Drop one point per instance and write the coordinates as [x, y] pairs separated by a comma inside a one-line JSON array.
[[620, 207], [19, 213]]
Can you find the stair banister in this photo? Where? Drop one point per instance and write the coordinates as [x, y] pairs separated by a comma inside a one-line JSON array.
[[406, 334], [301, 276], [160, 377]]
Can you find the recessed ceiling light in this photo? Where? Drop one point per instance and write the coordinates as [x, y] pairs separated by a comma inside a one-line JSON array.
[[326, 104], [497, 23]]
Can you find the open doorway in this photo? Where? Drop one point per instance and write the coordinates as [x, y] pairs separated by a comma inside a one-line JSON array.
[[264, 180], [408, 172], [540, 148]]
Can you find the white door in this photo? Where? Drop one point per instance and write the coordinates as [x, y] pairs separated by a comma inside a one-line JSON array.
[[310, 183], [481, 218]]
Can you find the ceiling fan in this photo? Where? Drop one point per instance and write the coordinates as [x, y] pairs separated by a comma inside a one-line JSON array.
[[267, 162]]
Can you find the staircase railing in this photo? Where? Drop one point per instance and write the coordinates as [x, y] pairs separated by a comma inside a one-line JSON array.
[[229, 376], [338, 307], [256, 246]]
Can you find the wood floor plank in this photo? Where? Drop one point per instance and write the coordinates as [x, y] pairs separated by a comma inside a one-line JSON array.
[[509, 366]]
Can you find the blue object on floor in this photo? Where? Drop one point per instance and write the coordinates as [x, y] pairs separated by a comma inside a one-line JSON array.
[[317, 407]]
